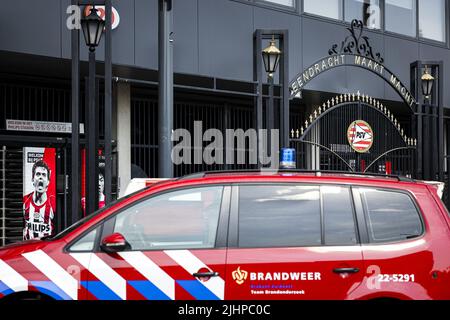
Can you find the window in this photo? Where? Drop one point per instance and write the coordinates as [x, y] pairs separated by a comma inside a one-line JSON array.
[[185, 219], [368, 11], [288, 3], [339, 223], [401, 16], [432, 19], [325, 8], [279, 216], [86, 243], [391, 216]]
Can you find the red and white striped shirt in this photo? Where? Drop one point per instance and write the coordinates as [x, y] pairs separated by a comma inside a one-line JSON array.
[[38, 218]]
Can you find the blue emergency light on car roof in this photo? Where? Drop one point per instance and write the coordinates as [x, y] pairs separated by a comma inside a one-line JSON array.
[[288, 159]]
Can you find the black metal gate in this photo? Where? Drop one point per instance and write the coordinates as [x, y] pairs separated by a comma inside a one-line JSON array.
[[322, 141], [213, 113], [11, 177]]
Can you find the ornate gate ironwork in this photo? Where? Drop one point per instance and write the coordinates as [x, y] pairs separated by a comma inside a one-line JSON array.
[[322, 142]]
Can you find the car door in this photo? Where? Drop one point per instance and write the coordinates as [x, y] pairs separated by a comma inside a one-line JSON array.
[[397, 251], [176, 248], [292, 242]]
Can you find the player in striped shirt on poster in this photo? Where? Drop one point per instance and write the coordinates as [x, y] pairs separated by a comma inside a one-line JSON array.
[[38, 205]]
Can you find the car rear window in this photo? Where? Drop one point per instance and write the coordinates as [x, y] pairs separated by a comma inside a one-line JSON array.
[[390, 215]]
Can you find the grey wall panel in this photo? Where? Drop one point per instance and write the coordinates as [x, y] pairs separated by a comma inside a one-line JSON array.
[[365, 82], [270, 19], [318, 37], [31, 27], [214, 38], [431, 53], [399, 54], [226, 39], [185, 28], [146, 33]]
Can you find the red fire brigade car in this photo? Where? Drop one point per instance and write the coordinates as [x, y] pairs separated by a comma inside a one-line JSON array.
[[246, 236]]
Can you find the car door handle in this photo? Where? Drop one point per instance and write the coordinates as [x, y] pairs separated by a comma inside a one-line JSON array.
[[205, 274], [346, 270]]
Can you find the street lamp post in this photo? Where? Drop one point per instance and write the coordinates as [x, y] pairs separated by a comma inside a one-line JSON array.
[[165, 88], [431, 125], [271, 57], [92, 27]]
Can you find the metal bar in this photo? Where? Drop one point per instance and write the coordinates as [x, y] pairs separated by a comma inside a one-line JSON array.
[[426, 145], [448, 165], [257, 74], [91, 154], [285, 88], [4, 195], [416, 84], [199, 175], [96, 170], [441, 152], [270, 116], [30, 141], [64, 218], [165, 90], [75, 138], [177, 86], [435, 152], [108, 102]]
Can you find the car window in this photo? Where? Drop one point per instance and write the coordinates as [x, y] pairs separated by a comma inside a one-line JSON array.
[[86, 243], [279, 216], [185, 219], [339, 221], [391, 216]]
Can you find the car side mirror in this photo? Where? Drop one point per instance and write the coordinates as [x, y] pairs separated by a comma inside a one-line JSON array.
[[114, 243]]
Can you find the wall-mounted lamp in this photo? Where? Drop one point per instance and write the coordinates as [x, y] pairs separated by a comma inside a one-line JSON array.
[[271, 57], [427, 83], [92, 26]]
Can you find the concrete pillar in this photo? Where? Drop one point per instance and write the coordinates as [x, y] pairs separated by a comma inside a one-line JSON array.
[[123, 126]]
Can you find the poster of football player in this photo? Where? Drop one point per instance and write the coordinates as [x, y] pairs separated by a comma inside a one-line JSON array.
[[39, 189]]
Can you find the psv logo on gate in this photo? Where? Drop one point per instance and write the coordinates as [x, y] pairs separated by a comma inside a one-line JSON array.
[[360, 136]]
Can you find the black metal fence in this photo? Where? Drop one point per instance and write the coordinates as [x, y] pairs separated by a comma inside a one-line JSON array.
[[212, 113], [11, 181]]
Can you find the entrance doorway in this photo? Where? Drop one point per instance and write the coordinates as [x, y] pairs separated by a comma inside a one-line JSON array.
[[354, 133]]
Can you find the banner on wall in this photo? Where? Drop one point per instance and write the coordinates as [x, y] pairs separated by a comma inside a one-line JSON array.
[[39, 190]]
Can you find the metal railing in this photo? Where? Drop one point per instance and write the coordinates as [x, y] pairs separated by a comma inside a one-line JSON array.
[[11, 191], [3, 192], [212, 114]]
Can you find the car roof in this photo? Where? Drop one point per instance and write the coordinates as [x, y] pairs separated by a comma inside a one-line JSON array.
[[295, 173], [280, 176]]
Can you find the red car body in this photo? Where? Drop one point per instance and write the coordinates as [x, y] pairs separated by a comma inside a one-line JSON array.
[[416, 268]]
